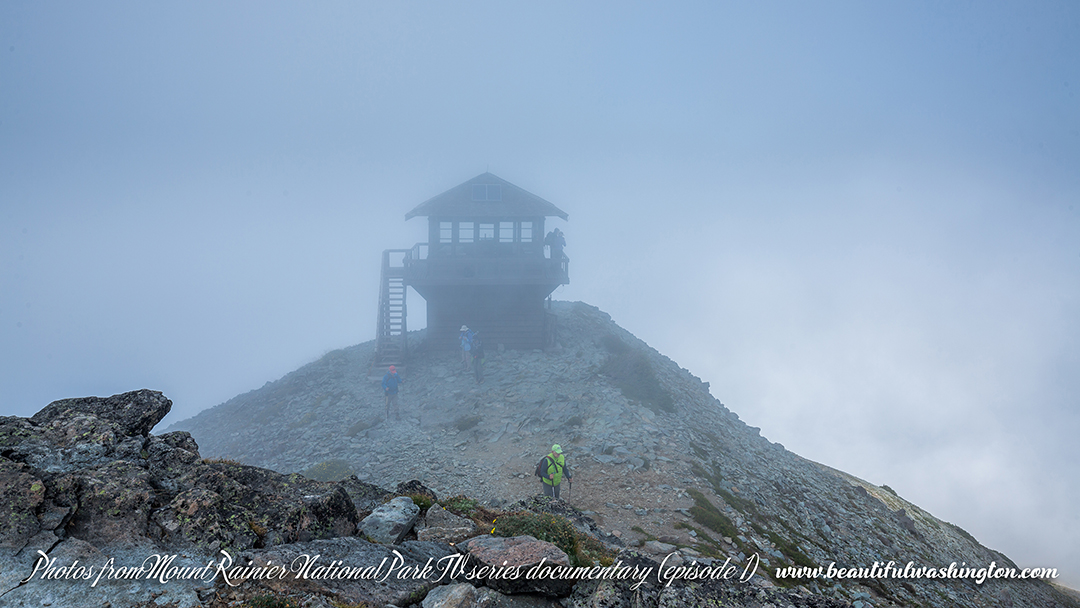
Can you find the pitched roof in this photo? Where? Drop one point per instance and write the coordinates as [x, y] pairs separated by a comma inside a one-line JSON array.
[[474, 198]]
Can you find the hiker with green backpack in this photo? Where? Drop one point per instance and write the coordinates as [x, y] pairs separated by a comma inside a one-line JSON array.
[[551, 469]]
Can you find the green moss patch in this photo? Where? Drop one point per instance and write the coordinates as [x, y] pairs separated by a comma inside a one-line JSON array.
[[422, 500], [790, 550], [460, 505], [642, 532], [709, 516], [631, 371], [329, 470]]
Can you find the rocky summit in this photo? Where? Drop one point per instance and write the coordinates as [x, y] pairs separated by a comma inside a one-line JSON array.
[[279, 497]]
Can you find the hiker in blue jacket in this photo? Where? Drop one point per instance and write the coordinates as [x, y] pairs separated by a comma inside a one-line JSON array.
[[390, 384], [465, 337]]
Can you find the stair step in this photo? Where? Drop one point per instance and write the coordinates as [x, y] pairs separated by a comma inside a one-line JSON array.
[[391, 317]]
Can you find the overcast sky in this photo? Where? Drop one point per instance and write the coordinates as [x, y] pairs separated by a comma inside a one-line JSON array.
[[857, 221]]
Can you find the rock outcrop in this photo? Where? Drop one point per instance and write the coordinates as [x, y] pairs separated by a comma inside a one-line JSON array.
[[84, 482]]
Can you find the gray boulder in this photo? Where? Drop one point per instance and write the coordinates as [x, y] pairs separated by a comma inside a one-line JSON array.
[[400, 581], [464, 595], [443, 526], [413, 487], [389, 523], [115, 592], [658, 548], [489, 598], [458, 595], [524, 552], [135, 413], [364, 495]]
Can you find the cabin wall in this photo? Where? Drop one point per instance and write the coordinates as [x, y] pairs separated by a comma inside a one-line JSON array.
[[513, 317]]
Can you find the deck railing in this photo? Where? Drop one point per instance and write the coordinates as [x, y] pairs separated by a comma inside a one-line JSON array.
[[419, 266]]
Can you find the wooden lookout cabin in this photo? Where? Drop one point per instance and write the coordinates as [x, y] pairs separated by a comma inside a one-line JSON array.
[[483, 266]]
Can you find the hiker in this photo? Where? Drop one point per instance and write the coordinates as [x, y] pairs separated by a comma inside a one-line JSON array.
[[551, 469], [478, 357], [556, 242], [465, 337], [390, 384]]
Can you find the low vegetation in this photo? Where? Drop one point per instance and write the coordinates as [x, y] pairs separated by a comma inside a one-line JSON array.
[[709, 516], [790, 550], [222, 461], [716, 480], [643, 533], [465, 423], [583, 550], [272, 601], [460, 505], [329, 470], [710, 547], [304, 420], [422, 500], [631, 371]]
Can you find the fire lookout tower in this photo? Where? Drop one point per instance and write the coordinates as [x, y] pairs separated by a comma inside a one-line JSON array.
[[483, 266]]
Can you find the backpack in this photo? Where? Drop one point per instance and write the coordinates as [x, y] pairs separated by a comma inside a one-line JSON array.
[[541, 468]]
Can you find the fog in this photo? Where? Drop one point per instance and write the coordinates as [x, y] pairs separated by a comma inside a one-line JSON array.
[[857, 221]]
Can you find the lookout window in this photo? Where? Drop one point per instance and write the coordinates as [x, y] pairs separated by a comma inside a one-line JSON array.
[[486, 192], [465, 232], [526, 232], [446, 232], [506, 232], [485, 232]]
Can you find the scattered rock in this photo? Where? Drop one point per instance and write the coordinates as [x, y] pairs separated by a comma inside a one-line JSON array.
[[658, 548], [415, 488], [441, 525], [389, 523], [458, 595]]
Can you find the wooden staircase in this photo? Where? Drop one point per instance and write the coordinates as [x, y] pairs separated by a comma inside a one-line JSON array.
[[391, 331]]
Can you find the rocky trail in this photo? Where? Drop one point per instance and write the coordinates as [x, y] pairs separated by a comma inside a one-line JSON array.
[[658, 461]]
